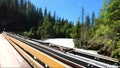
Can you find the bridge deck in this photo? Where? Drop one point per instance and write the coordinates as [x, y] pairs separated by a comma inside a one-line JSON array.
[[9, 57]]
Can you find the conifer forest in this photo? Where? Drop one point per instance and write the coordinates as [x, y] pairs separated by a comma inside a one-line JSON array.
[[101, 34]]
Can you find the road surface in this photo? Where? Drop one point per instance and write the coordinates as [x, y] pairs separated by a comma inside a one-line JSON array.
[[9, 57]]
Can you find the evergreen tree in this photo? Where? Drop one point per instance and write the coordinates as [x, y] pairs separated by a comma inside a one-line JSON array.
[[40, 17], [87, 22], [76, 34], [87, 27], [93, 18], [76, 31], [45, 12]]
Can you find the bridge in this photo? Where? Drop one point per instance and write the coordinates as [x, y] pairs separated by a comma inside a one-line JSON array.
[[20, 51]]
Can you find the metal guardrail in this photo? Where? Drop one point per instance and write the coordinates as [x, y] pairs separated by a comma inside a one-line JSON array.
[[75, 63], [71, 61], [38, 55]]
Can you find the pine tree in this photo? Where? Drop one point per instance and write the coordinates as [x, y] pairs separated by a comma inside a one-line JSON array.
[[87, 27], [40, 17], [45, 12], [82, 26], [93, 18]]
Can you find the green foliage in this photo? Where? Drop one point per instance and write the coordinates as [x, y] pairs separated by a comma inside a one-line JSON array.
[[118, 44], [23, 16], [116, 54], [109, 42], [76, 31], [25, 34], [102, 31], [18, 15], [31, 32], [49, 27], [77, 43], [93, 18], [76, 34], [106, 29]]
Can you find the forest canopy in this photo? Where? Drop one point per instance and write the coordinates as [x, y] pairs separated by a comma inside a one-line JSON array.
[[101, 34]]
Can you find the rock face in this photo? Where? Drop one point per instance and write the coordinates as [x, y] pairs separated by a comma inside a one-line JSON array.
[[9, 57]]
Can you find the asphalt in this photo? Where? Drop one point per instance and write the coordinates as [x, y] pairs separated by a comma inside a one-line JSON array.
[[9, 57]]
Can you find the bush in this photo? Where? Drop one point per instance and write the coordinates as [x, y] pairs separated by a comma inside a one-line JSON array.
[[116, 54], [109, 42]]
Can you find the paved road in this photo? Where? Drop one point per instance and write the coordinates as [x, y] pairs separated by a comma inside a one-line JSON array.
[[9, 57]]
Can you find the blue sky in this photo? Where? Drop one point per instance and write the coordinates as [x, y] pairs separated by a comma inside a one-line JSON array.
[[70, 9]]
